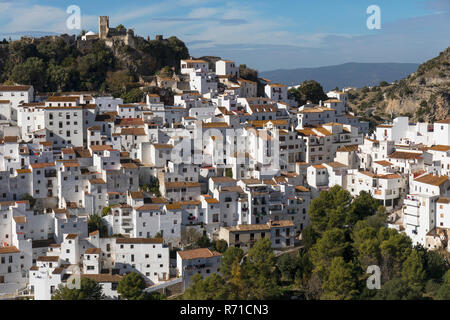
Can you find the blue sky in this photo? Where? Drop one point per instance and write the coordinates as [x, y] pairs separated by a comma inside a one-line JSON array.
[[263, 34]]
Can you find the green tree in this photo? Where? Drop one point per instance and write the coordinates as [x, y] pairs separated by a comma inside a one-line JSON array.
[[31, 72], [210, 288], [309, 237], [330, 209], [398, 289], [95, 222], [395, 249], [131, 287], [308, 90], [444, 291], [116, 82], [231, 255], [89, 290], [106, 210], [413, 271], [258, 268], [132, 96], [28, 197], [121, 27], [220, 245], [361, 207], [203, 242], [288, 266], [342, 282], [332, 244], [435, 263]]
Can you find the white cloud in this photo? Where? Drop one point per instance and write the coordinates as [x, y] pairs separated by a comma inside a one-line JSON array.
[[19, 17]]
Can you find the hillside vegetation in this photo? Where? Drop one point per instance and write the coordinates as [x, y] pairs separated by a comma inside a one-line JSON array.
[[424, 95], [54, 64]]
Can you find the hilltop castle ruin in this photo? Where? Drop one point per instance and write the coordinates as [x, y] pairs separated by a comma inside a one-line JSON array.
[[114, 35]]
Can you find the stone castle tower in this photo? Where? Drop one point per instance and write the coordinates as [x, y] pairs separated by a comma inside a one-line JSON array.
[[103, 27]]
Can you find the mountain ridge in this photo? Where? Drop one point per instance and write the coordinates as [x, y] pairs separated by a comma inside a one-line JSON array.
[[424, 95], [349, 74]]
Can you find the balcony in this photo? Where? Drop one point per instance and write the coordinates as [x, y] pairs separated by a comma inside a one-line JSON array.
[[413, 211], [412, 202], [413, 220]]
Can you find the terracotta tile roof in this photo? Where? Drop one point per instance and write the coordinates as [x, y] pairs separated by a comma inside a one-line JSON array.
[[97, 181], [335, 164], [14, 88], [12, 249], [42, 165], [432, 179], [136, 194], [404, 155], [212, 200], [72, 236], [128, 165], [148, 207], [440, 148], [389, 176], [349, 148], [443, 200], [115, 278], [162, 146], [198, 254], [173, 206], [248, 227], [20, 219], [10, 139], [92, 251], [101, 147], [194, 61], [181, 184], [58, 270], [215, 125], [250, 181], [323, 131], [48, 258], [81, 152], [68, 150], [20, 171], [222, 179], [232, 189], [280, 223], [368, 173], [130, 122], [133, 131], [383, 163], [62, 99]]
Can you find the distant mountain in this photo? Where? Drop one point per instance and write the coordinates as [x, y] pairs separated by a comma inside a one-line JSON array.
[[350, 74]]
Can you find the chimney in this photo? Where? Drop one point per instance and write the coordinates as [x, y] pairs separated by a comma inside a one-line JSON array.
[[320, 103]]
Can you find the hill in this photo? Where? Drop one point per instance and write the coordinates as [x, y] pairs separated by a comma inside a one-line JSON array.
[[424, 95], [344, 75], [66, 63]]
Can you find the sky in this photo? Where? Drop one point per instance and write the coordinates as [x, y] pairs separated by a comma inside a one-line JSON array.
[[265, 35]]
